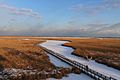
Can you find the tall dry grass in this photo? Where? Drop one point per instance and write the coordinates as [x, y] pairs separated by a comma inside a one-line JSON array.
[[23, 54], [103, 50]]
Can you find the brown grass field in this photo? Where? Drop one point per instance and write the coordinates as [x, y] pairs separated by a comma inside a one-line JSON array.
[[102, 50], [21, 54]]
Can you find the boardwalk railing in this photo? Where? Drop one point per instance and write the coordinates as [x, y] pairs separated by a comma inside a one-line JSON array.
[[85, 69]]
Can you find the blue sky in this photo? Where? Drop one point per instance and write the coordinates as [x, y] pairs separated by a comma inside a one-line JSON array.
[[50, 17]]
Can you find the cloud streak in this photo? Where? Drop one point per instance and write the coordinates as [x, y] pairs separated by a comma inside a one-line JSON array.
[[91, 8], [20, 11], [109, 31]]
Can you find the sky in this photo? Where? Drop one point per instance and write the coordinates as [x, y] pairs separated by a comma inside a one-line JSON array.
[[60, 17]]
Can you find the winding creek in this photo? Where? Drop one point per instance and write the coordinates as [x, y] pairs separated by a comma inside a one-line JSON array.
[[66, 51]]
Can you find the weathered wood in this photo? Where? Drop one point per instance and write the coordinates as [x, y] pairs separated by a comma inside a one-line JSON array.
[[84, 68]]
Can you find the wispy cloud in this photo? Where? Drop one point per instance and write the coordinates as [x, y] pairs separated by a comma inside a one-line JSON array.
[[20, 11], [91, 8], [95, 26], [109, 31]]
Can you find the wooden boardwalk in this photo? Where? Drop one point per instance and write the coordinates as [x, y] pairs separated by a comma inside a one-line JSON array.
[[85, 69]]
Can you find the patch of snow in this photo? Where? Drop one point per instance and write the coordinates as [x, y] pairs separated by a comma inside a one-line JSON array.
[[12, 72], [25, 39], [66, 51], [72, 76], [58, 62]]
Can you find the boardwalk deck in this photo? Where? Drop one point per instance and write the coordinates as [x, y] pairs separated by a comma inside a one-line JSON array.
[[84, 68]]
